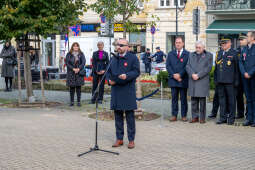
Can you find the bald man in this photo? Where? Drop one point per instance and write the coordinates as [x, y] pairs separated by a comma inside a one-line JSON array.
[[124, 70]]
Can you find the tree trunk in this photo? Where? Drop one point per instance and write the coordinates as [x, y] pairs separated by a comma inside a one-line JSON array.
[[41, 80], [28, 76]]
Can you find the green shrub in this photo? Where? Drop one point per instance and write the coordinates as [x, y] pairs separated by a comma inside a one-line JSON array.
[[212, 84], [163, 75]]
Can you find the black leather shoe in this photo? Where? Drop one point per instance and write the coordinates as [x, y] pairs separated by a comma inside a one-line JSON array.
[[253, 125], [6, 90], [221, 122], [247, 123], [239, 117], [79, 104], [212, 116], [71, 104]]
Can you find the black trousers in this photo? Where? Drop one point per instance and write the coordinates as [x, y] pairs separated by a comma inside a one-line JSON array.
[[78, 93], [148, 68], [227, 99], [175, 91], [96, 81], [240, 100], [119, 124], [7, 80], [198, 111]]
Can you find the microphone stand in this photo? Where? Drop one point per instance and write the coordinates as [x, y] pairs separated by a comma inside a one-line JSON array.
[[96, 147]]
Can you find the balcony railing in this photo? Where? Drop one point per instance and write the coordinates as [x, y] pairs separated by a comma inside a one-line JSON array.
[[230, 5]]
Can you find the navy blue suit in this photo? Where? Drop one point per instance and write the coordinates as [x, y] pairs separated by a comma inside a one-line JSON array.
[[178, 65], [123, 93], [247, 64]]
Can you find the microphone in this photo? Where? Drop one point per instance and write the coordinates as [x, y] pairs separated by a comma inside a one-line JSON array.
[[114, 55]]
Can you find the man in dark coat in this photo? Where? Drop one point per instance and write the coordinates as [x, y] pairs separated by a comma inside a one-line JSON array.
[[247, 69], [124, 70], [227, 79], [100, 62], [147, 61], [239, 90], [159, 55], [198, 68], [9, 56], [178, 78]]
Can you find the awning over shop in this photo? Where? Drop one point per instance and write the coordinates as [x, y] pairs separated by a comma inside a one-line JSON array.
[[230, 26]]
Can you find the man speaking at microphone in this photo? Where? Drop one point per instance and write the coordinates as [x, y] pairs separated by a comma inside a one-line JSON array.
[[124, 70]]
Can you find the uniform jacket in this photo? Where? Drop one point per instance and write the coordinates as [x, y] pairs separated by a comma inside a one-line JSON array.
[[146, 59], [226, 68], [202, 66], [175, 65], [123, 93], [159, 56]]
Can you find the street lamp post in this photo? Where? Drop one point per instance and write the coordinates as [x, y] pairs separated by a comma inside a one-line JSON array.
[[181, 9]]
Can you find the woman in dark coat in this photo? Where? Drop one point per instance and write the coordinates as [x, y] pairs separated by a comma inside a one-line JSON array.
[[75, 62], [9, 61]]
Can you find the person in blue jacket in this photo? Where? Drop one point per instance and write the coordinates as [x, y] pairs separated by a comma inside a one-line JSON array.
[[247, 69], [159, 55], [123, 71], [178, 78]]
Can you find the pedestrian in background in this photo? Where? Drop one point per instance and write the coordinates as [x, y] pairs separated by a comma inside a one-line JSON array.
[[9, 56], [159, 55], [75, 62], [198, 68], [100, 61], [178, 79], [147, 61]]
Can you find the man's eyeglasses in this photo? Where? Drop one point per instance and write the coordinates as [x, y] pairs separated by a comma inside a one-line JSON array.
[[121, 45]]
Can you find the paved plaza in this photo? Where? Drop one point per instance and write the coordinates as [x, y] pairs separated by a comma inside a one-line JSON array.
[[51, 138]]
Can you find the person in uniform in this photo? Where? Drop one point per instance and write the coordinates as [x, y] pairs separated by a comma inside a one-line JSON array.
[[227, 80], [100, 62], [178, 78], [247, 69], [124, 70], [198, 68], [147, 61], [239, 89], [159, 55]]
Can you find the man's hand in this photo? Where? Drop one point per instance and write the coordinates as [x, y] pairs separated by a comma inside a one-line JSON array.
[[195, 77], [179, 80], [123, 76], [246, 75], [112, 82], [177, 76]]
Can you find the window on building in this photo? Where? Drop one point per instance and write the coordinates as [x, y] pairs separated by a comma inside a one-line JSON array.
[[140, 4], [170, 3], [170, 40]]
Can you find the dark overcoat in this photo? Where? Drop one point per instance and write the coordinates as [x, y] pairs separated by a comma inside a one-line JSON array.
[[8, 55], [123, 93], [72, 79]]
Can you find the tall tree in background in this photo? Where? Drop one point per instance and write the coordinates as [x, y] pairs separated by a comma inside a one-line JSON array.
[[19, 18], [121, 11]]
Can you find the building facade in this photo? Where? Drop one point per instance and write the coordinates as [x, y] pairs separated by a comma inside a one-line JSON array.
[[228, 17]]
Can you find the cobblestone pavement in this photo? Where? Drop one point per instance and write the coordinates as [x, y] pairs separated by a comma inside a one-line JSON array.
[[33, 139]]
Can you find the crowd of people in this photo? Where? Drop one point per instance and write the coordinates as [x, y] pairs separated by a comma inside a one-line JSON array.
[[234, 76]]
